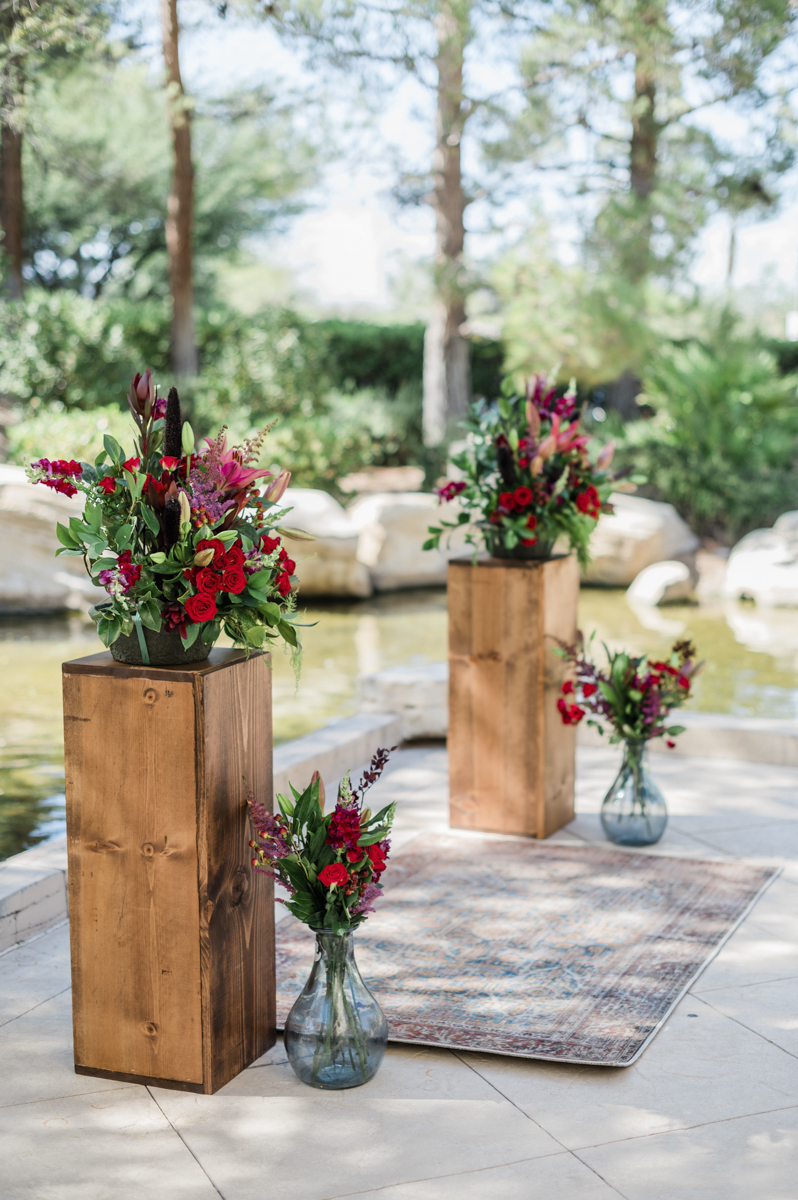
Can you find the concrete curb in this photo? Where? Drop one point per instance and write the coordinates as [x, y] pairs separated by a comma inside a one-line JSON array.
[[33, 885]]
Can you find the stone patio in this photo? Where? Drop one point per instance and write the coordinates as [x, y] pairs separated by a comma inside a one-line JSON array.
[[709, 1111]]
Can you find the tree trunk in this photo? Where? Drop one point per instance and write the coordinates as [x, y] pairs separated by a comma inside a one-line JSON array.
[[447, 380], [12, 211], [180, 211], [642, 169]]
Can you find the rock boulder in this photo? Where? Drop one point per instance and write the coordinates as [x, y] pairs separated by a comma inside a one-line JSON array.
[[328, 566], [638, 533], [763, 566]]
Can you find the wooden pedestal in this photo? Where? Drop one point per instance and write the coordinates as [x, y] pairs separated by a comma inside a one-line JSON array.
[[511, 759], [172, 945]]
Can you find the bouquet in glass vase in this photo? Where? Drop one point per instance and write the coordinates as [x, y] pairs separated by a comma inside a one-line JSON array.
[[528, 478], [330, 864], [634, 696], [186, 542]]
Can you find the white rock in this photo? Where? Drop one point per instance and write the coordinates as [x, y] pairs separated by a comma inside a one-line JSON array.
[[638, 533], [763, 566], [419, 694], [667, 582], [32, 579], [329, 566], [393, 529]]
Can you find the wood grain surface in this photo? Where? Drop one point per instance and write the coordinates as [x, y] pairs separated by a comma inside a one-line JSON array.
[[511, 761], [171, 943]]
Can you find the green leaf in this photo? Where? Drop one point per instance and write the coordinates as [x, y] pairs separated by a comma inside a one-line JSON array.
[[66, 538], [192, 633], [152, 523], [150, 615], [94, 516], [124, 537], [113, 449]]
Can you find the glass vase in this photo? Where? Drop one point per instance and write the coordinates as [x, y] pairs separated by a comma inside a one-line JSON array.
[[633, 812], [336, 1032]]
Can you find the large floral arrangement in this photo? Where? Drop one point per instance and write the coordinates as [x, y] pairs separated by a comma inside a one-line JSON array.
[[527, 476], [330, 864], [635, 695], [182, 541]]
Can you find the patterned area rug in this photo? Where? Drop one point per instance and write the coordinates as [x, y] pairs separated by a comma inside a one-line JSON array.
[[555, 952]]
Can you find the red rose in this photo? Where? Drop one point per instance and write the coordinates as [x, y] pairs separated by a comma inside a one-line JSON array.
[[355, 855], [235, 556], [334, 875], [108, 485], [683, 681], [132, 464], [268, 544], [234, 580], [283, 584], [507, 500], [169, 463], [208, 581], [212, 544], [571, 713], [377, 856], [289, 566], [523, 496], [567, 687], [201, 607], [589, 689]]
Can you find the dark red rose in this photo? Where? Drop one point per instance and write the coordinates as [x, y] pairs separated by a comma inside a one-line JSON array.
[[289, 566], [208, 581], [201, 607], [335, 874], [283, 584], [523, 496], [234, 580], [355, 855], [212, 544], [235, 556], [507, 500], [268, 544], [108, 485], [589, 689]]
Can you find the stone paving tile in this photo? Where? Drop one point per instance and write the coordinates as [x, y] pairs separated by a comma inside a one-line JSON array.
[[560, 1177], [751, 1158], [111, 1145], [769, 1009], [33, 972], [698, 1068], [36, 1060], [424, 1114]]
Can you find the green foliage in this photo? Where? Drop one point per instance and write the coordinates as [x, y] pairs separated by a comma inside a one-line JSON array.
[[721, 446]]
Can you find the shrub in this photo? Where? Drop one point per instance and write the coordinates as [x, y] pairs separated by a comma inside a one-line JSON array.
[[721, 446]]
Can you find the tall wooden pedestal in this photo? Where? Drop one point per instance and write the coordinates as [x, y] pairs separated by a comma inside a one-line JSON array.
[[511, 759], [172, 945]]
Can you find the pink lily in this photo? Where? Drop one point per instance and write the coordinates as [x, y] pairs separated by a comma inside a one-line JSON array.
[[276, 489], [236, 476], [605, 456]]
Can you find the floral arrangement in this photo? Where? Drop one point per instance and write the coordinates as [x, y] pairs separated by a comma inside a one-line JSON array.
[[528, 478], [634, 695], [182, 540], [329, 864]]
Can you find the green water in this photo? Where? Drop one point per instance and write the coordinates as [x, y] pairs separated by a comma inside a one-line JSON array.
[[752, 669]]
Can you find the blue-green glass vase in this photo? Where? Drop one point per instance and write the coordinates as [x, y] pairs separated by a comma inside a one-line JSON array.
[[336, 1032], [634, 812]]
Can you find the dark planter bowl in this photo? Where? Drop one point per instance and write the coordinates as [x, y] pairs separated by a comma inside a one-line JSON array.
[[497, 549], [165, 649]]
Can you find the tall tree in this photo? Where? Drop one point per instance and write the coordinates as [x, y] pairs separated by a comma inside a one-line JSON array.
[[32, 36], [434, 41], [180, 208]]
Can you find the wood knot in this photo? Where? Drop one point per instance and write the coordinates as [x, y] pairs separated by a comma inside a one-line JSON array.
[[149, 1029], [239, 885], [104, 847], [148, 850], [150, 696]]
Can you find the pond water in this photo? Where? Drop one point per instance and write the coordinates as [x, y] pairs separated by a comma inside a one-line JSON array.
[[752, 670]]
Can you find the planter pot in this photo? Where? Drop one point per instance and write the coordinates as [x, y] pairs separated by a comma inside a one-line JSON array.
[[540, 550], [511, 759], [166, 649]]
